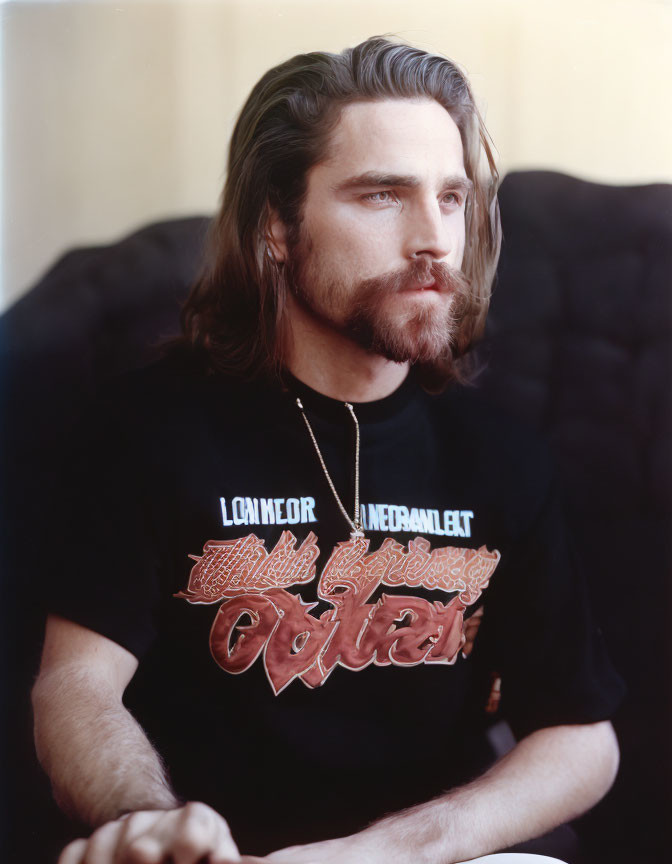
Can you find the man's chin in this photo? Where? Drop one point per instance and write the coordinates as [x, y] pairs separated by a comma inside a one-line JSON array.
[[416, 353], [405, 345]]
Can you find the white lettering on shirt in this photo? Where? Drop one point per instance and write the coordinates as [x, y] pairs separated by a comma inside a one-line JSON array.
[[375, 517], [267, 511], [417, 520]]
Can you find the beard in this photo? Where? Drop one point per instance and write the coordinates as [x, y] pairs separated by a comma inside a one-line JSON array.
[[374, 314]]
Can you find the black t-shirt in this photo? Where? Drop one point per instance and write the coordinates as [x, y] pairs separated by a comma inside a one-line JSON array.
[[302, 682]]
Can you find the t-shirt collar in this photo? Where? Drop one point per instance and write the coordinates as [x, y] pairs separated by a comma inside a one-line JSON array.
[[367, 412]]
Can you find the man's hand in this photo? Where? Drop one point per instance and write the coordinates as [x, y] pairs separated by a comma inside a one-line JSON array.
[[186, 835]]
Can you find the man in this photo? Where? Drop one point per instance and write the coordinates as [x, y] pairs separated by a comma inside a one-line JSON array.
[[310, 580]]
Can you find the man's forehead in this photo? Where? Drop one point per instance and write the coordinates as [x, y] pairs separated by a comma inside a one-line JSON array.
[[395, 136]]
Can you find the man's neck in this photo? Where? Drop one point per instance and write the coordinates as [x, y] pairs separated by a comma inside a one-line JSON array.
[[334, 365]]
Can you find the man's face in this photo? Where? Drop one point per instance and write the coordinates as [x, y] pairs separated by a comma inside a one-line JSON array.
[[383, 232]]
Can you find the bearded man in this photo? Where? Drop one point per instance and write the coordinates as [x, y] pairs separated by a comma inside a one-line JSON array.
[[314, 578]]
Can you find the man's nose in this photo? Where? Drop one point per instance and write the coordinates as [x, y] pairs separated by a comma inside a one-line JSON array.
[[427, 231]]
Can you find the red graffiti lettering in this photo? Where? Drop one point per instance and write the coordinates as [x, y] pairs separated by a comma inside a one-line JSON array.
[[252, 638], [229, 568], [467, 571], [295, 644], [353, 633]]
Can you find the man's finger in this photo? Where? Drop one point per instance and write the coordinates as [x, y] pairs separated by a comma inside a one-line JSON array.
[[144, 850], [200, 832], [226, 851], [101, 845], [73, 853], [135, 824]]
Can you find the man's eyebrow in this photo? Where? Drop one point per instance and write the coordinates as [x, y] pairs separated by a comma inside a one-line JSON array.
[[407, 181]]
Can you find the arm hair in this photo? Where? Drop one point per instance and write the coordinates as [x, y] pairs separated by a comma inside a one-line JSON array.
[[98, 758], [550, 777]]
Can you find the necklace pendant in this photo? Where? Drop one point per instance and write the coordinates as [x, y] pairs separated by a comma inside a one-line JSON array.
[[356, 534]]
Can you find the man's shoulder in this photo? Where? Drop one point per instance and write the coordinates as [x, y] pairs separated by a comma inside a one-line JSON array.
[[467, 411], [180, 380], [499, 446], [169, 372], [180, 401]]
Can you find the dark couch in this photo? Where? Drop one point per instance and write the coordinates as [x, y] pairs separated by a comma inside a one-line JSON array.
[[578, 344]]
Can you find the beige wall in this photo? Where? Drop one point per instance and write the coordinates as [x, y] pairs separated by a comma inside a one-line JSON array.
[[117, 113]]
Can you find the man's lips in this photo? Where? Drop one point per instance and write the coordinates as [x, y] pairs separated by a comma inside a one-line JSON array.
[[422, 286]]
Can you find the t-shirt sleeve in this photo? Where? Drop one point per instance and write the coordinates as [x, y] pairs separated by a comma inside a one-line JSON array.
[[98, 561], [539, 634]]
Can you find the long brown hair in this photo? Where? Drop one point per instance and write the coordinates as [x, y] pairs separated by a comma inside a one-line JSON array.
[[236, 308]]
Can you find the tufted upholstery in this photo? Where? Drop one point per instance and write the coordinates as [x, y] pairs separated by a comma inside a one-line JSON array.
[[580, 328], [578, 344], [98, 311]]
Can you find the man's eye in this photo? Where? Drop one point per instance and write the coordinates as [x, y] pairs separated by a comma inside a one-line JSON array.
[[452, 199], [382, 197]]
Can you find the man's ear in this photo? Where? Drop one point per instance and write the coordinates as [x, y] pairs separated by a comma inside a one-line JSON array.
[[276, 237]]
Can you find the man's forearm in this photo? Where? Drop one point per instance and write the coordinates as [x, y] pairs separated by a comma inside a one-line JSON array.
[[98, 758], [550, 777]]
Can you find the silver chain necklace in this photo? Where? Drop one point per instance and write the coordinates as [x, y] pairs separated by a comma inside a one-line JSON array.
[[355, 522]]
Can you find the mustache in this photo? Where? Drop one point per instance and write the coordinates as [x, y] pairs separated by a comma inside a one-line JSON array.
[[446, 279]]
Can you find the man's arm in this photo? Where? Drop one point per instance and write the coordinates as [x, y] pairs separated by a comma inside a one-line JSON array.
[[550, 777], [101, 764]]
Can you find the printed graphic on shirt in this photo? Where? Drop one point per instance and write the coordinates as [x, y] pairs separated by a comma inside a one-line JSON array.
[[259, 615], [396, 517], [375, 517], [267, 511]]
